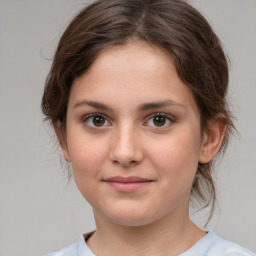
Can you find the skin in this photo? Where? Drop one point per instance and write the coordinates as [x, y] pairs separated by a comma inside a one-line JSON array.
[[112, 130]]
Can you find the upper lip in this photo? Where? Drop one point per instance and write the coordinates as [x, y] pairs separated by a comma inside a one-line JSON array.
[[126, 179]]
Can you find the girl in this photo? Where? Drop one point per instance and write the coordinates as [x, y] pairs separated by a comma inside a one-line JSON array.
[[137, 97]]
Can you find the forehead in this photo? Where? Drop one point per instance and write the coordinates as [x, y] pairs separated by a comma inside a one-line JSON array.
[[134, 55], [136, 71]]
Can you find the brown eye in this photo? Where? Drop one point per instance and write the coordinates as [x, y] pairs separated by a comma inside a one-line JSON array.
[[159, 120], [98, 120]]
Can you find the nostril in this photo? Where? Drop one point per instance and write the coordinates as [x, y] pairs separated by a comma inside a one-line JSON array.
[[131, 163], [126, 163]]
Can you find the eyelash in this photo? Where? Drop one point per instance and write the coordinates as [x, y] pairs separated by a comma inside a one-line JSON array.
[[90, 118]]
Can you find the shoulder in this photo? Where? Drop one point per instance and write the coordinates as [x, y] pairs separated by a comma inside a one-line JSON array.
[[79, 248], [70, 250], [217, 246]]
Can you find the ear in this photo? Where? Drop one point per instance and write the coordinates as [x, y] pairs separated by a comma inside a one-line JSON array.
[[61, 135], [212, 140]]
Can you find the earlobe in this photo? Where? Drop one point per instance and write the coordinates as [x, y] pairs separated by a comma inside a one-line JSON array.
[[212, 141], [60, 133]]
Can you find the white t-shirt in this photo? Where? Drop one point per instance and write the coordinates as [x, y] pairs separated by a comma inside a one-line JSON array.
[[210, 245]]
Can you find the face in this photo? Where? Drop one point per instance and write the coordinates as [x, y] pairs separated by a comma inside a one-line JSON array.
[[133, 136]]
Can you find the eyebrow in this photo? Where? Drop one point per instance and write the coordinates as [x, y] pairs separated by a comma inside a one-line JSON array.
[[141, 108], [160, 104], [93, 104]]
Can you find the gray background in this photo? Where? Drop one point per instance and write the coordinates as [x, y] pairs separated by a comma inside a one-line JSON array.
[[39, 212]]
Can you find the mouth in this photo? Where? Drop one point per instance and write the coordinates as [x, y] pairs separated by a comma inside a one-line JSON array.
[[127, 184]]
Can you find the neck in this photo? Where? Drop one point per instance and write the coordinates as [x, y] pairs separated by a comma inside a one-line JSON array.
[[162, 237]]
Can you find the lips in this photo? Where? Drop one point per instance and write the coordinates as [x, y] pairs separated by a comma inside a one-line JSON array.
[[127, 184]]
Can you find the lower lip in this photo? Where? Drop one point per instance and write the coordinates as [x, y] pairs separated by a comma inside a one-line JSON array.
[[128, 186]]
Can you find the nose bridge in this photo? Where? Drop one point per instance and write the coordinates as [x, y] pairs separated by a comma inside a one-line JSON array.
[[125, 145]]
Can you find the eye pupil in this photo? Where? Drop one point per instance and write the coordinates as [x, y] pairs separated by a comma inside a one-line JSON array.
[[159, 120], [98, 120]]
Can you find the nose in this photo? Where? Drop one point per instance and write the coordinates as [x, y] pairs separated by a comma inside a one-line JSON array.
[[126, 148]]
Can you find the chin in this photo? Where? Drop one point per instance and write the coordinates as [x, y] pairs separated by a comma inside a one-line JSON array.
[[132, 218], [131, 222]]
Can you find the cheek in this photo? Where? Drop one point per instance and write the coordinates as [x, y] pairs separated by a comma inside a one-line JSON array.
[[86, 159], [86, 156], [177, 157]]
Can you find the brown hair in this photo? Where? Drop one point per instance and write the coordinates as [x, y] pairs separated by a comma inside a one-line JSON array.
[[174, 26]]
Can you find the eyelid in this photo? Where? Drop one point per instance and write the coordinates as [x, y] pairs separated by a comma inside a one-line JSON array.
[[168, 116]]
